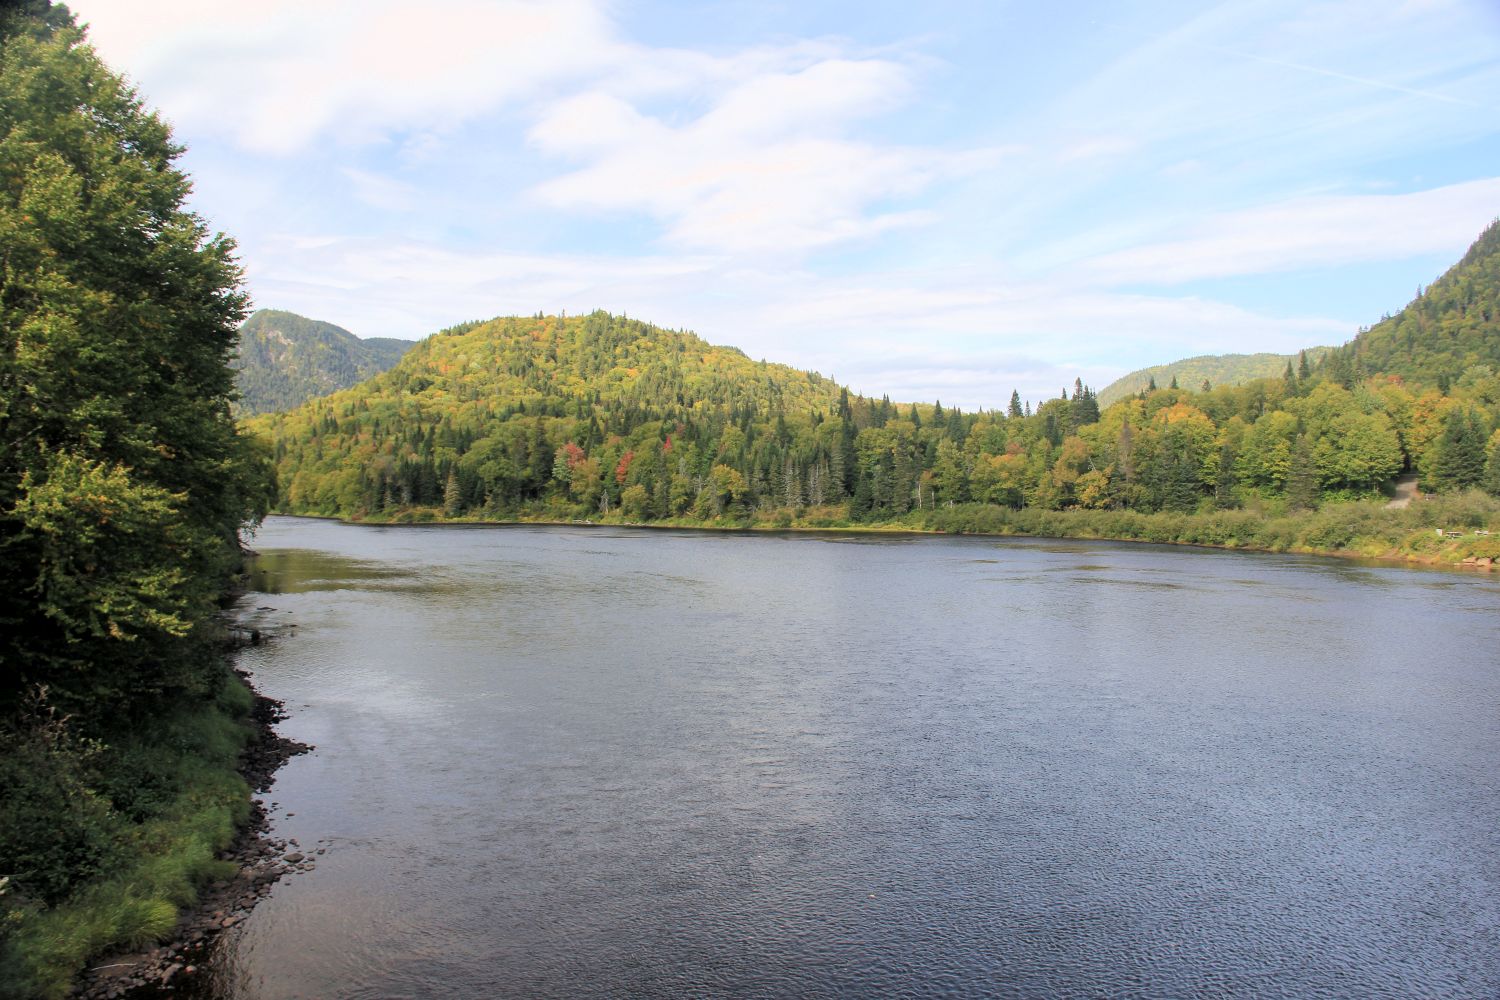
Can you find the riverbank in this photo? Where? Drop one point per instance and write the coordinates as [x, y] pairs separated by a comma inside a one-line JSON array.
[[1454, 531], [187, 847], [259, 860]]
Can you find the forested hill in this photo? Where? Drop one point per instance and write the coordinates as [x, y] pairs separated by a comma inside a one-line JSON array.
[[1215, 369], [1448, 329], [487, 410], [601, 416], [285, 360]]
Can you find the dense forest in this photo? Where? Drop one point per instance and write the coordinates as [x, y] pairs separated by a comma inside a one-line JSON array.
[[600, 416], [285, 359], [124, 484], [1449, 332]]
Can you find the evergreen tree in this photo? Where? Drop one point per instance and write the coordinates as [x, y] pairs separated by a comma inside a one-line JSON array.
[[1492, 466], [1302, 491], [863, 502], [1460, 461], [1015, 405], [452, 495]]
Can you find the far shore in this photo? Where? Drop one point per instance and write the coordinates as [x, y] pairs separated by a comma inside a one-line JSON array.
[[1441, 560]]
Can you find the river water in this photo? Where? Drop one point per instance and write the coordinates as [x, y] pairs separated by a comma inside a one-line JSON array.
[[557, 762]]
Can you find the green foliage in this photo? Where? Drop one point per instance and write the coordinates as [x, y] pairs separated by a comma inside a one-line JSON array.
[[123, 483], [122, 476], [131, 826], [55, 828], [1459, 460], [608, 418], [1360, 528], [1446, 330], [285, 359]]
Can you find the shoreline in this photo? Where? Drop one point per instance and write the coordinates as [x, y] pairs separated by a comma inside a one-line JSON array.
[[1408, 560], [261, 860]]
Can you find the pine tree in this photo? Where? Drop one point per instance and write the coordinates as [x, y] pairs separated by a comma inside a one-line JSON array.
[[452, 495], [1460, 461], [1302, 480], [1015, 405], [1492, 466]]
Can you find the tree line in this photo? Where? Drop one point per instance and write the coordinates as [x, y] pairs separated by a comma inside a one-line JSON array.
[[601, 415]]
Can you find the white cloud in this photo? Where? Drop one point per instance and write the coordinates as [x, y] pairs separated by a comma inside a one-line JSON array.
[[278, 77], [767, 168], [1311, 233]]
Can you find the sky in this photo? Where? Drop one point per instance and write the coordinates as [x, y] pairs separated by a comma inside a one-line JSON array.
[[942, 200]]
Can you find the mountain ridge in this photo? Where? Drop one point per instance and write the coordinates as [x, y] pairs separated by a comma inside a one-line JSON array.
[[285, 359], [1217, 369]]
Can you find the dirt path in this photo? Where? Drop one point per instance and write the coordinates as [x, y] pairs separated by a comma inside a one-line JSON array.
[[1406, 491]]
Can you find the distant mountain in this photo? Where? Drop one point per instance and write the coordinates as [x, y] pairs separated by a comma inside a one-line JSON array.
[[1218, 369], [1453, 325], [285, 360]]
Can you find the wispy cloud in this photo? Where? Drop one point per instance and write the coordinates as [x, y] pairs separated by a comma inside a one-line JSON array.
[[381, 192], [767, 167], [350, 70], [1310, 233]]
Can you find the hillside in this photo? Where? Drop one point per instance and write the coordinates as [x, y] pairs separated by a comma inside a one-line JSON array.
[[602, 416], [1216, 369], [1450, 327], [491, 407], [285, 359]]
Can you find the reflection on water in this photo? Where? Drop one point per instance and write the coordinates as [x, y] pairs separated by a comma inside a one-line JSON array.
[[561, 762]]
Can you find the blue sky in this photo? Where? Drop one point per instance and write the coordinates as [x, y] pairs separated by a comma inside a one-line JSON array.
[[941, 200]]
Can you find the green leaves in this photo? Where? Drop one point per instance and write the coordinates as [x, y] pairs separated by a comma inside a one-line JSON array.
[[111, 553], [122, 477]]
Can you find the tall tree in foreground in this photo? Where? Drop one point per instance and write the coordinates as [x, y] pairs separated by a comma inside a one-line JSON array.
[[122, 478]]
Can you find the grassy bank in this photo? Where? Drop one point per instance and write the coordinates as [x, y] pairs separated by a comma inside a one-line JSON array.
[[1437, 530], [113, 836], [1442, 530]]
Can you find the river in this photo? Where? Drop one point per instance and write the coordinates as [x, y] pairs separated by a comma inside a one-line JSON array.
[[557, 762]]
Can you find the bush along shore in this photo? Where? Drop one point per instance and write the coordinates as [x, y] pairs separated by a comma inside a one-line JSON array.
[[184, 858], [242, 876], [1461, 529]]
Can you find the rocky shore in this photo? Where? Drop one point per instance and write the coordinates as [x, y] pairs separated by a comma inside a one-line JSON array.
[[172, 969]]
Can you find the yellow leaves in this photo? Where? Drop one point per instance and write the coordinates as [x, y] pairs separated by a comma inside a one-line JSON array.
[[1182, 413], [1092, 489]]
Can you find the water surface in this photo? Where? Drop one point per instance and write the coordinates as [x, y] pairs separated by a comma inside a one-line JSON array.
[[563, 761]]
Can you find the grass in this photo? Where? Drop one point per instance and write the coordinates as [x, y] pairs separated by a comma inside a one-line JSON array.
[[1359, 528], [189, 804]]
